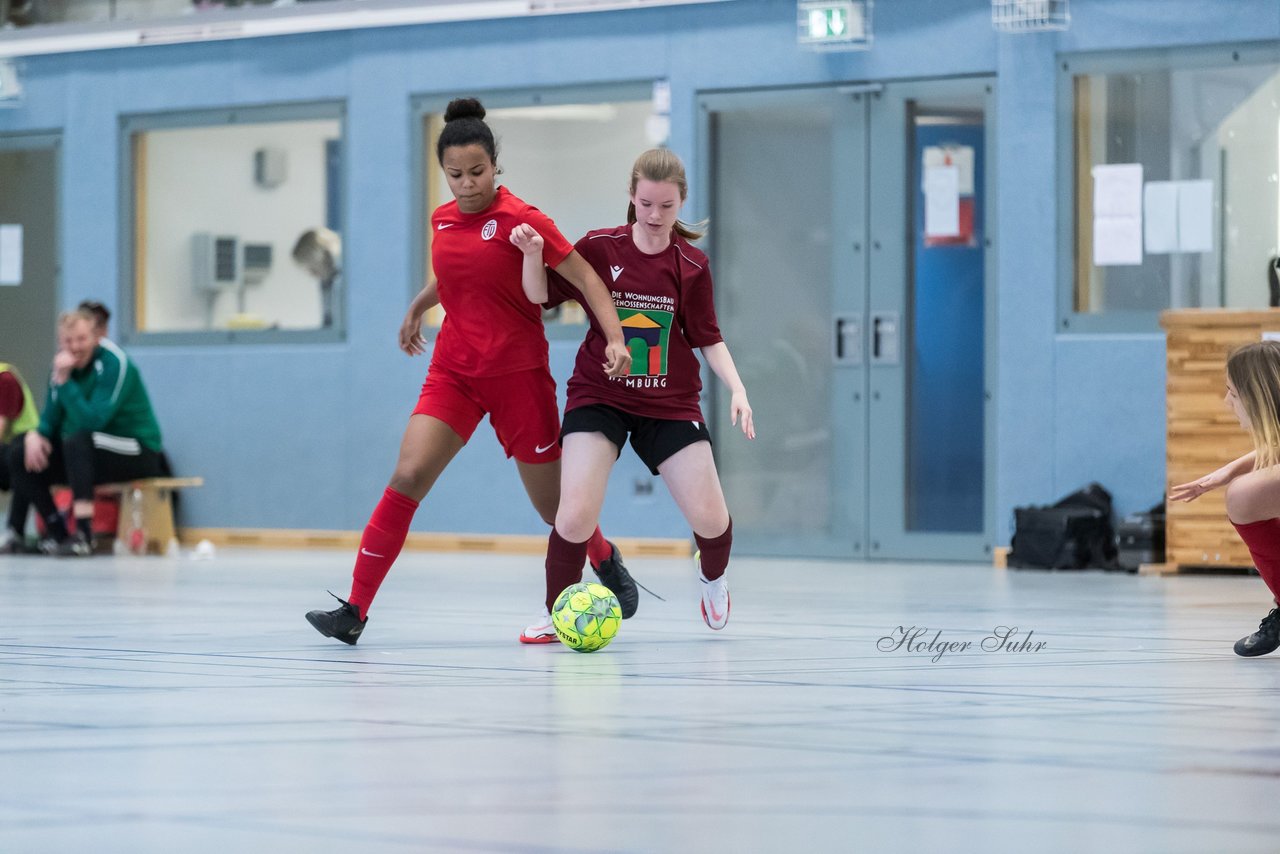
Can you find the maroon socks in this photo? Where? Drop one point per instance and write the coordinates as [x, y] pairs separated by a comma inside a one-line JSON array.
[[379, 546], [715, 552], [564, 564]]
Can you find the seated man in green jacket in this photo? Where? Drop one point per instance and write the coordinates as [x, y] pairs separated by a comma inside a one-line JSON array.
[[97, 427]]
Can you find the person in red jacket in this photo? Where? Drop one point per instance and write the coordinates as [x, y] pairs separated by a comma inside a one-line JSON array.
[[661, 288], [490, 358]]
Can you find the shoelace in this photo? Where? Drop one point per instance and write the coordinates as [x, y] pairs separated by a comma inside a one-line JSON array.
[[343, 601], [1269, 622], [633, 581], [647, 590]]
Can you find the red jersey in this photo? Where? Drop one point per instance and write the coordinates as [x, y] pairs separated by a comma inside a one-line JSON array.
[[666, 307], [490, 326]]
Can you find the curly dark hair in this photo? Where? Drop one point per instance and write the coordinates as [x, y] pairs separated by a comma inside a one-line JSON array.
[[464, 125]]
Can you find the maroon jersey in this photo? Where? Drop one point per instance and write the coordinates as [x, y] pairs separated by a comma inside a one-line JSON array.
[[11, 398], [490, 327], [666, 308]]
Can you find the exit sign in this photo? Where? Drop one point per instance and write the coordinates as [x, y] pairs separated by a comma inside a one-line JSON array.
[[834, 24]]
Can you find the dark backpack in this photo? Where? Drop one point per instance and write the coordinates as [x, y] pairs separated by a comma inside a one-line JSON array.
[[1075, 533]]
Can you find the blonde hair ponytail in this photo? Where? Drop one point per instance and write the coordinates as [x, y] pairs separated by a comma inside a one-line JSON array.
[[1254, 370]]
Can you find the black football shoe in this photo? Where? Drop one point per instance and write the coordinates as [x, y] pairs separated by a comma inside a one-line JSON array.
[[343, 623], [613, 574], [1265, 639], [76, 545]]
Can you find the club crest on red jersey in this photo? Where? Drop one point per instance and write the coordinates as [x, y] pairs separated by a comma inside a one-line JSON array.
[[490, 229]]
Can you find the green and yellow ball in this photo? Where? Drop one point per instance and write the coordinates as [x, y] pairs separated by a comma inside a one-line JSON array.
[[586, 616]]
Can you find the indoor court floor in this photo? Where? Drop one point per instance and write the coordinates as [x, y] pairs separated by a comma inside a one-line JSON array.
[[180, 705]]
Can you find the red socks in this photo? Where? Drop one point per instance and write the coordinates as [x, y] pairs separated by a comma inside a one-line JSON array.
[[564, 564], [715, 552], [1263, 540], [379, 546], [598, 548]]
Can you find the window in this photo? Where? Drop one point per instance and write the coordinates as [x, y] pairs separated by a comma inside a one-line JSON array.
[[217, 203], [1169, 166], [568, 153]]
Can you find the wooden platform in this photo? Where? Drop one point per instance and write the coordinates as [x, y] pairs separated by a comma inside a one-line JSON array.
[[1194, 569], [1203, 434]]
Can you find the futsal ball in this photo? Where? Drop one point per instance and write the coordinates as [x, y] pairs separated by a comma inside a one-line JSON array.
[[586, 616]]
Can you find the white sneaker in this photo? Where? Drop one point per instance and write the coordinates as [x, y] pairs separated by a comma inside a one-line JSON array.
[[715, 598], [540, 630]]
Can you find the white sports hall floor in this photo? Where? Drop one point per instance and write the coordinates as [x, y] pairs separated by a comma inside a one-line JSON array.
[[175, 705]]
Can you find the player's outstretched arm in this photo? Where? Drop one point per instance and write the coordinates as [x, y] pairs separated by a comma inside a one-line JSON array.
[[576, 269], [718, 357], [1214, 480], [411, 340], [534, 274]]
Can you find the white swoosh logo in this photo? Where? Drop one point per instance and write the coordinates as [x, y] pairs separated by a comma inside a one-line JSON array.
[[364, 551], [441, 226], [544, 448]]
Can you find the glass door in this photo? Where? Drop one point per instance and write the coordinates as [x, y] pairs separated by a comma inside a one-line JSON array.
[[929, 311], [850, 242], [29, 263], [787, 175]]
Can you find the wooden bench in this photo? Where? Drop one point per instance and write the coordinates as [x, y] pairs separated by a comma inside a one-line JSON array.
[[146, 512]]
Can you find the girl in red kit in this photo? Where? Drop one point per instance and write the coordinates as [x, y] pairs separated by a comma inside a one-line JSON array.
[[490, 357], [1253, 481], [661, 289]]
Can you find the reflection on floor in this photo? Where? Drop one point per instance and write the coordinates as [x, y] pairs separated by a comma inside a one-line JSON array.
[[185, 706]]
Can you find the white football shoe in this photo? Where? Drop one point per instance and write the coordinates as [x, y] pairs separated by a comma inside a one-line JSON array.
[[715, 598], [540, 630]]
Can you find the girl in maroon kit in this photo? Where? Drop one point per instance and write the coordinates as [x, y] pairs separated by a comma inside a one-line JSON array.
[[490, 357], [661, 288], [1253, 481]]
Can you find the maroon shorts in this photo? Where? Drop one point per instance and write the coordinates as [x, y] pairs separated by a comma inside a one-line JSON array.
[[521, 407]]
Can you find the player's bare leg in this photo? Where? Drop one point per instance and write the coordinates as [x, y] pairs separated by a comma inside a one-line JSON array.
[[694, 483]]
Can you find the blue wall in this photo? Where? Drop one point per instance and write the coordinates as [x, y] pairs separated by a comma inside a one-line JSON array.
[[305, 436]]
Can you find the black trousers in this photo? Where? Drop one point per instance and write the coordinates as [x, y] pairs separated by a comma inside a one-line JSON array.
[[81, 460], [18, 505]]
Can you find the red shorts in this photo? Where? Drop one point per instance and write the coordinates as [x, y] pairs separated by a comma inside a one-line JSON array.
[[521, 407]]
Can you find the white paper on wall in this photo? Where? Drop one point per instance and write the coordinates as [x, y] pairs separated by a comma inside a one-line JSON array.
[[1160, 216], [1178, 216], [941, 201], [10, 255], [1195, 216], [959, 156], [1117, 190], [1117, 214], [1117, 241]]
